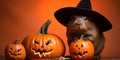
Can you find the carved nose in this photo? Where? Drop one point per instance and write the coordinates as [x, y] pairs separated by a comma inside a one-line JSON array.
[[42, 48]]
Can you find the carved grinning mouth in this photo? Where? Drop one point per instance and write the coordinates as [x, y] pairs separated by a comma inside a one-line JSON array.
[[80, 54], [42, 53]]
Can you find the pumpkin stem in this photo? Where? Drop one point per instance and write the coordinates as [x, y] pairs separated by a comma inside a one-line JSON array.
[[15, 41], [44, 28]]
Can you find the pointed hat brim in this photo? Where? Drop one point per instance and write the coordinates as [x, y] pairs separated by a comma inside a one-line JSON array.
[[63, 16]]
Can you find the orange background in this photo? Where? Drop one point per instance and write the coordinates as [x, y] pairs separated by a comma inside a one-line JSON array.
[[19, 18]]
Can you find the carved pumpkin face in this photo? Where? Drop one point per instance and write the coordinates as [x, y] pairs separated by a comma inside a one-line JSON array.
[[81, 49], [15, 52], [43, 45]]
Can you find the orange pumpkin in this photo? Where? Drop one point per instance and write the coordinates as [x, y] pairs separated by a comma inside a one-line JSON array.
[[15, 51], [43, 45], [81, 49]]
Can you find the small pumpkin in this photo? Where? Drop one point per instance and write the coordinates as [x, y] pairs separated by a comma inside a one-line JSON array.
[[81, 49], [15, 51], [43, 45]]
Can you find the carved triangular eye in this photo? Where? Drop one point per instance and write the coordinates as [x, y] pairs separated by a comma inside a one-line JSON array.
[[81, 45], [48, 42], [11, 49], [19, 50], [36, 41], [76, 45]]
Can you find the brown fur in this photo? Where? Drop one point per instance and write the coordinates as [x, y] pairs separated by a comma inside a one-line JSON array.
[[83, 25]]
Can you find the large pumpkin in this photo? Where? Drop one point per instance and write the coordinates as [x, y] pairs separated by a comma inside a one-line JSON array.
[[44, 45], [81, 49], [15, 51]]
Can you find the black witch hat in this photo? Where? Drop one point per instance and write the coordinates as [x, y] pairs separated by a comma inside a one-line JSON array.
[[84, 8]]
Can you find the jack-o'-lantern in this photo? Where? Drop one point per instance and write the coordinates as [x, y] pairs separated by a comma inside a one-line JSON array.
[[15, 51], [44, 45], [81, 49]]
